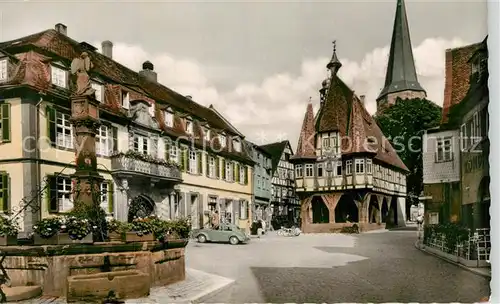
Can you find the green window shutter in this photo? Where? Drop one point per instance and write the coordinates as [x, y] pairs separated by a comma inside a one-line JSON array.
[[186, 159], [5, 120], [246, 175], [51, 124], [52, 203], [4, 191], [237, 173], [111, 206], [223, 171], [217, 166], [199, 156], [167, 148], [182, 163], [234, 171], [207, 167], [115, 138]]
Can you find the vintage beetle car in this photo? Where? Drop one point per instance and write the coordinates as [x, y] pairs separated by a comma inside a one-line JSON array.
[[226, 233]]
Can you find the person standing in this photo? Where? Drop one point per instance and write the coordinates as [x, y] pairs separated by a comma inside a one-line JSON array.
[[215, 221], [263, 226]]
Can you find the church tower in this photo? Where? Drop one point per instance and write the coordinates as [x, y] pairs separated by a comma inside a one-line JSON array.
[[401, 76]]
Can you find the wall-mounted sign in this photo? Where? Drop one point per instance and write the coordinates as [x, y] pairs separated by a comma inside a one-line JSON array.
[[474, 162]]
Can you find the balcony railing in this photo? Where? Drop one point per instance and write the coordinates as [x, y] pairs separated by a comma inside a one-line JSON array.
[[132, 164]]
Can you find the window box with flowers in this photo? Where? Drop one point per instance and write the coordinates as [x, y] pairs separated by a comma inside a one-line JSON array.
[[62, 231], [116, 229], [8, 231], [139, 230]]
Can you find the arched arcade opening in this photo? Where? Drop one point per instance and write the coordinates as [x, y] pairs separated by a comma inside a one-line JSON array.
[[320, 212], [346, 210]]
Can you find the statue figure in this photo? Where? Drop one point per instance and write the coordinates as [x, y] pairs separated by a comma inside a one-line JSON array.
[[80, 67]]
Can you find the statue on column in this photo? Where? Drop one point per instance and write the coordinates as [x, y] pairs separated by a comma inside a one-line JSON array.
[[80, 68]]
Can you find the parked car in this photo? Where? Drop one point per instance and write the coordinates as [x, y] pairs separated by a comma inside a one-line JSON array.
[[226, 233]]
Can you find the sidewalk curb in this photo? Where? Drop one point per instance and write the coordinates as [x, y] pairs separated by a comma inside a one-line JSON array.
[[452, 262], [207, 293]]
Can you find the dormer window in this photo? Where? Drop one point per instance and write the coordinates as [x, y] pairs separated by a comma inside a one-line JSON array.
[[125, 100], [189, 126], [3, 69], [479, 66], [98, 91], [152, 110], [237, 145], [206, 134], [58, 77], [222, 140], [169, 118]]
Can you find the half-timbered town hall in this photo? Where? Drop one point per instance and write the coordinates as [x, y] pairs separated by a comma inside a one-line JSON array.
[[346, 170]]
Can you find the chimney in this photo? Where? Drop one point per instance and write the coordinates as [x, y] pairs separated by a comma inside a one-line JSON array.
[[148, 72], [107, 49], [61, 28], [362, 98]]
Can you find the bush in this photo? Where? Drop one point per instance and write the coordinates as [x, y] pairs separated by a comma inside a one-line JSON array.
[[48, 227], [454, 234], [143, 226], [8, 226], [77, 228], [353, 229]]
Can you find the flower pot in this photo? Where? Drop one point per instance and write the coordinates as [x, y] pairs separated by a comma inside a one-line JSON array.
[[114, 237], [62, 239], [8, 240], [133, 237], [177, 243]]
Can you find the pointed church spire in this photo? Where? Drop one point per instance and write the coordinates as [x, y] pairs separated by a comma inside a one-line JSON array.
[[401, 75], [305, 147]]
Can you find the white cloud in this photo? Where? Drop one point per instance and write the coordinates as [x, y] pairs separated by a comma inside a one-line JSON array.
[[276, 105]]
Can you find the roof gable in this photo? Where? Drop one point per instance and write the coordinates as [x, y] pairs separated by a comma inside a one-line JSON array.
[[342, 111], [64, 49]]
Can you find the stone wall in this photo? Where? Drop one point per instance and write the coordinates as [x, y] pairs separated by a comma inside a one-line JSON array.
[[50, 266], [337, 227]]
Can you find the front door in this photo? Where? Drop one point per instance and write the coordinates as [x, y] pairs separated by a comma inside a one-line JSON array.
[[194, 211]]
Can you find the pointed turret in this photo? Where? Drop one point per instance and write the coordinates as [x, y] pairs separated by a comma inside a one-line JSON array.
[[306, 148], [401, 76], [334, 65]]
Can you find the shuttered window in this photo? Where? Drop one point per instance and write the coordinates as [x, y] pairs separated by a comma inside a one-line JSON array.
[[5, 123], [4, 191]]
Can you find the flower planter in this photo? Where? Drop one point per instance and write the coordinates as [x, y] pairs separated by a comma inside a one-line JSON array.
[[177, 243], [62, 239], [8, 240], [130, 237], [114, 237]]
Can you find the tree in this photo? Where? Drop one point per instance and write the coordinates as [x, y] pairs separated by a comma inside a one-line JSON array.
[[403, 124]]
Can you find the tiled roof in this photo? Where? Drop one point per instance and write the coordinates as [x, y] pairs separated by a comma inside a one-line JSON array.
[[50, 45], [276, 150], [401, 74], [457, 76], [306, 146], [342, 111]]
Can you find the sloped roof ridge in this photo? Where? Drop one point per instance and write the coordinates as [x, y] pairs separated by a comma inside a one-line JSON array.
[[186, 104], [211, 107]]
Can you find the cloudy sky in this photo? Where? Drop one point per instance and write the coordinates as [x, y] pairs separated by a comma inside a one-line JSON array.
[[258, 62]]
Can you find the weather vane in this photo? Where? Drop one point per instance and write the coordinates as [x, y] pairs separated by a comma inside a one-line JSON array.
[[310, 99], [334, 45]]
